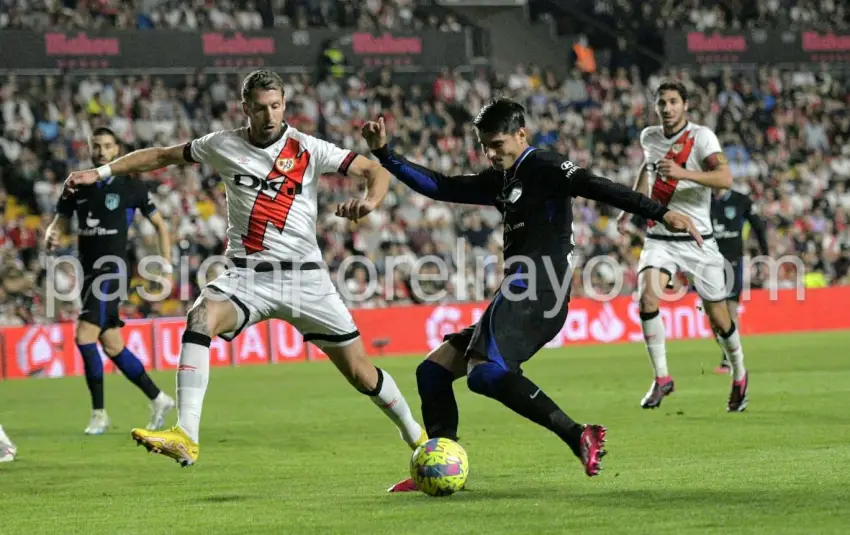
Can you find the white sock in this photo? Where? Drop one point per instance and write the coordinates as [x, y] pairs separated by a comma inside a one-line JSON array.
[[193, 374], [391, 401], [654, 338], [735, 353]]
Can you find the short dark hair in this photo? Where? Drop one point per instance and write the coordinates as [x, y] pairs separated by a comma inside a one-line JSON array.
[[671, 85], [500, 115], [261, 79], [103, 131]]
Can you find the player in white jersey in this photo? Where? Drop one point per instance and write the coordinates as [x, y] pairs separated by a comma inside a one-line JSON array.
[[271, 172], [683, 163], [8, 451]]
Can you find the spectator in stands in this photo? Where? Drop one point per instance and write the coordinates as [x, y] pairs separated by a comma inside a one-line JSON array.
[[786, 134]]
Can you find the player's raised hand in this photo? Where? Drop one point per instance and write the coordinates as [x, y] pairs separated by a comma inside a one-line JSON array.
[[679, 222], [375, 133], [354, 209], [81, 178]]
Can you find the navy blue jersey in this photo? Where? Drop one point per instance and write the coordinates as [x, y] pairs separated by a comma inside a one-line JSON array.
[[104, 212], [535, 199], [729, 211]]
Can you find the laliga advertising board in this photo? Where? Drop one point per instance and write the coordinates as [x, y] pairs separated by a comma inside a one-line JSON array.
[[49, 350]]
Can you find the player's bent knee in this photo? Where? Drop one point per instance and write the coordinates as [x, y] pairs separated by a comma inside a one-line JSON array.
[[212, 317], [718, 316], [87, 333], [649, 302], [483, 378], [432, 378], [450, 358], [112, 342]]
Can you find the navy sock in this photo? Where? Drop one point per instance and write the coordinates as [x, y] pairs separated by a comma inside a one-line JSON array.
[[94, 373], [134, 370], [439, 407], [518, 393]]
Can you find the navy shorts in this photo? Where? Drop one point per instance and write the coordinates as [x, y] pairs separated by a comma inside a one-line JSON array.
[[510, 332], [97, 311], [738, 279]]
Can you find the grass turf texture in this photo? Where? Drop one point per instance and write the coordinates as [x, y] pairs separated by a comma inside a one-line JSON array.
[[293, 449]]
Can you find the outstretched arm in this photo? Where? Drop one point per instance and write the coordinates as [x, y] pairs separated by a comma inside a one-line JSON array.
[[138, 161], [466, 189], [578, 182], [587, 185], [759, 230]]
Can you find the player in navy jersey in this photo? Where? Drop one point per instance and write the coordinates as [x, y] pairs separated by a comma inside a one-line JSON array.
[[729, 211], [104, 214], [533, 189]]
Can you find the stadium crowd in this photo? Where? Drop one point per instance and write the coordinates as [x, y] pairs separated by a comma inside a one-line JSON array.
[[244, 15], [787, 136]]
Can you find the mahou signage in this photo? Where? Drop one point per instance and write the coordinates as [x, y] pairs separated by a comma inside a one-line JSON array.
[[756, 47], [23, 51]]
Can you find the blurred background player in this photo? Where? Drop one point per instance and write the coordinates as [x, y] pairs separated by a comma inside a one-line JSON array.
[[729, 211], [683, 162], [533, 189], [271, 171], [8, 450], [105, 212]]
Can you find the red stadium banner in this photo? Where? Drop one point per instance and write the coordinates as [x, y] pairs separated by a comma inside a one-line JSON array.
[[40, 351], [287, 344], [252, 346], [167, 335], [49, 350], [138, 337], [756, 47], [27, 51]]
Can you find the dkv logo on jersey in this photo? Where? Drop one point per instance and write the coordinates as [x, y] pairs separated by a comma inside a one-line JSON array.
[[286, 186]]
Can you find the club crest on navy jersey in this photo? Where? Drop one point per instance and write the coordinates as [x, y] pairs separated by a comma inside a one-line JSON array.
[[730, 212], [112, 201], [515, 194]]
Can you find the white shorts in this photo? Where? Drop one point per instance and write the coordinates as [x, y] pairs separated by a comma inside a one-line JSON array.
[[306, 299], [704, 266]]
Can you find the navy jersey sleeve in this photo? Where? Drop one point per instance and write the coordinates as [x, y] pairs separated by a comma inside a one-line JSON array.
[[142, 198], [65, 207], [570, 180], [756, 223], [481, 188]]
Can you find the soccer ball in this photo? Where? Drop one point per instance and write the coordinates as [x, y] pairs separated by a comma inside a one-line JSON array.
[[439, 467]]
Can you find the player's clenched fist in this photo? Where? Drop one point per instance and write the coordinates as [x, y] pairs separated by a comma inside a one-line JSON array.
[[79, 178], [354, 209], [375, 133]]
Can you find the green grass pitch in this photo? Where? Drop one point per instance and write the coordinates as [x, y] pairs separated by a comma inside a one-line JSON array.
[[292, 449]]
